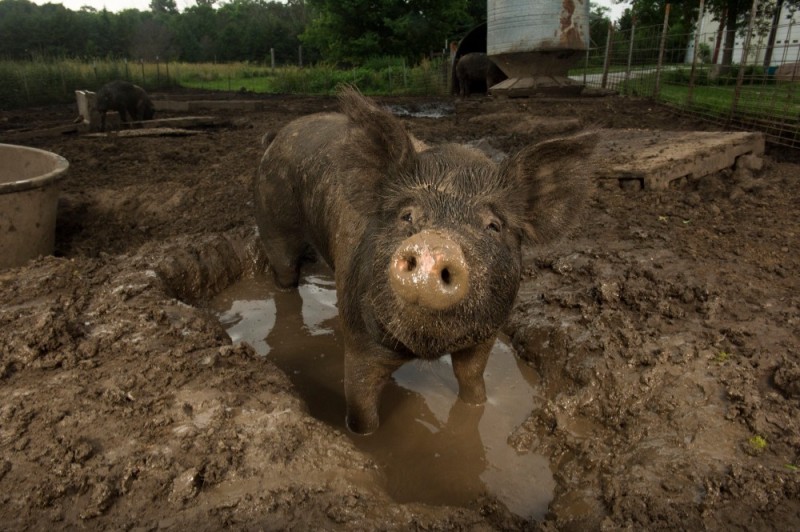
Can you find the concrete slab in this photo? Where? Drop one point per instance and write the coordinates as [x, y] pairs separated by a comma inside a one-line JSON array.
[[191, 106], [645, 159], [183, 121], [148, 132], [24, 134], [536, 86]]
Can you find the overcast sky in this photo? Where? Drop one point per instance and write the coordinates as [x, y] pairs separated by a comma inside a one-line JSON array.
[[144, 5]]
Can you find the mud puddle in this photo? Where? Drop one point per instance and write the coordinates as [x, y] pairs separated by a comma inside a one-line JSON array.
[[427, 110], [431, 447]]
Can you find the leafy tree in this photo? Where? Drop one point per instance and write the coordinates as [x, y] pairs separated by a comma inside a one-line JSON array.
[[598, 25], [731, 14], [353, 30], [164, 7]]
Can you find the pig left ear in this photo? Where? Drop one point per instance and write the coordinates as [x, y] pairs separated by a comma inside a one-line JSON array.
[[385, 138], [555, 176]]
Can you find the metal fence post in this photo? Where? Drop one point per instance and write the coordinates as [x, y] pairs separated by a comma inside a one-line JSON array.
[[272, 59], [742, 64], [586, 63], [630, 51], [607, 59], [697, 30], [657, 89]]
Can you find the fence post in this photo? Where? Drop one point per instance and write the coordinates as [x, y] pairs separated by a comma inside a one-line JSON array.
[[745, 51], [586, 63], [698, 29], [661, 46], [300, 55], [272, 59], [141, 62], [166, 69], [630, 52], [607, 58], [127, 74], [158, 73]]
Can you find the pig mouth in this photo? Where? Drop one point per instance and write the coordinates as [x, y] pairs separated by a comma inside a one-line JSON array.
[[427, 333]]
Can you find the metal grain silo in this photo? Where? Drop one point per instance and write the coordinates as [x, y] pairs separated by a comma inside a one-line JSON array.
[[536, 42]]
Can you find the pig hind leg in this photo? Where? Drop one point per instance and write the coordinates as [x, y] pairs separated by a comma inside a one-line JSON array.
[[280, 227]]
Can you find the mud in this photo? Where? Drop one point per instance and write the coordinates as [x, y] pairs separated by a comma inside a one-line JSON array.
[[663, 340], [431, 448]]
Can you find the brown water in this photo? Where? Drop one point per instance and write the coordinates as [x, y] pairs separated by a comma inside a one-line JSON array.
[[432, 447]]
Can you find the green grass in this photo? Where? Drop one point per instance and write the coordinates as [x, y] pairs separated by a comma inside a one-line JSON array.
[[47, 81], [759, 98], [427, 78]]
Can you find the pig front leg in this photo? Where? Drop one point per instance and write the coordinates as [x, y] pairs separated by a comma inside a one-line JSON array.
[[367, 369], [468, 366]]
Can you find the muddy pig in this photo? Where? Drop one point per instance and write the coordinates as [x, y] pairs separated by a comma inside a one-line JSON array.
[[425, 246], [129, 100], [477, 73]]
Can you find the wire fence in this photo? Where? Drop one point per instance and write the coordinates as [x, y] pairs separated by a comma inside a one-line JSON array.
[[756, 90], [759, 90], [41, 81]]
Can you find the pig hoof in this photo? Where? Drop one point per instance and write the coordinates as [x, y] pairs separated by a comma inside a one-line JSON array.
[[286, 281], [359, 427]]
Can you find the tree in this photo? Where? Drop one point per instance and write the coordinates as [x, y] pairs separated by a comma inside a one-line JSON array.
[[163, 7], [153, 40], [598, 26], [353, 30]]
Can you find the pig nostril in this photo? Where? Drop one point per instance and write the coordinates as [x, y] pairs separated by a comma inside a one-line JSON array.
[[445, 276], [411, 264]]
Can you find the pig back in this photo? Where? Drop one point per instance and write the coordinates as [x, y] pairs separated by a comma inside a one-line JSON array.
[[308, 163]]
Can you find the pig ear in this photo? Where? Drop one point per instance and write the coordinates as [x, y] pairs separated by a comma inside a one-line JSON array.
[[386, 141], [555, 176]]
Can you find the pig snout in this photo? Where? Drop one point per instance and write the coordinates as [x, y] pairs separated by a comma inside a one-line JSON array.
[[428, 269]]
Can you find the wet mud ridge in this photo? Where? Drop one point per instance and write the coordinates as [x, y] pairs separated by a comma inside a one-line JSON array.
[[152, 378]]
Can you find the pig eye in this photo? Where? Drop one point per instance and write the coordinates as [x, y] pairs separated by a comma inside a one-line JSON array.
[[407, 217], [494, 226]]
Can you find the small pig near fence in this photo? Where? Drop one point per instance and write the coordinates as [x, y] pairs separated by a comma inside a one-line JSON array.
[[425, 245], [129, 100]]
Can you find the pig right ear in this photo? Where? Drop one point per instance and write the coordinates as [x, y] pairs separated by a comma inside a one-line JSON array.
[[386, 143], [555, 176]]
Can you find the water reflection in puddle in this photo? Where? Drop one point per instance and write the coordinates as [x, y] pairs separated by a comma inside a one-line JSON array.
[[430, 110], [432, 447]]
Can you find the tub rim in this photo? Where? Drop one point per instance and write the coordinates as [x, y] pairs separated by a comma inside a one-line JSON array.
[[60, 166]]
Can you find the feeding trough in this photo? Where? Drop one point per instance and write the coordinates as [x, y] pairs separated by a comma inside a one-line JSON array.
[[28, 202], [536, 43]]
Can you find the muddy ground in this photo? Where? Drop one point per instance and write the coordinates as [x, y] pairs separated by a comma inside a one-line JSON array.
[[665, 332]]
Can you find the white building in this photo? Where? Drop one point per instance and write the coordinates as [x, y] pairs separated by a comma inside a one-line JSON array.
[[786, 49]]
